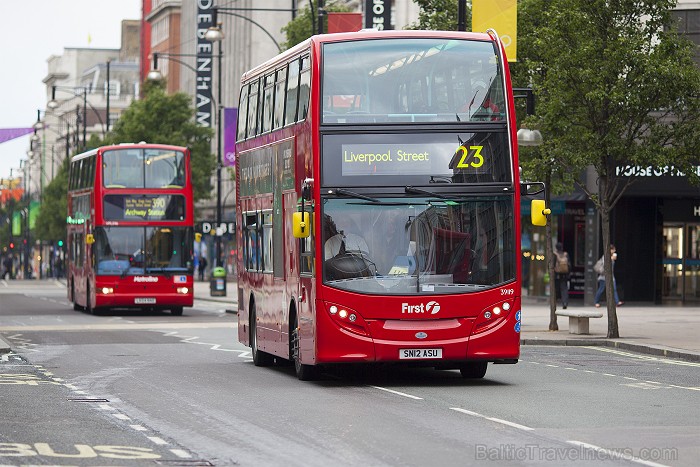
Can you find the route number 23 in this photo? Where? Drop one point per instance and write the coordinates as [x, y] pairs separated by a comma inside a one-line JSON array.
[[470, 158]]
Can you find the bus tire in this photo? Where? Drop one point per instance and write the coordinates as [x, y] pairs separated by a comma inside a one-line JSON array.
[[76, 307], [88, 304], [176, 311], [304, 372], [473, 370], [260, 358]]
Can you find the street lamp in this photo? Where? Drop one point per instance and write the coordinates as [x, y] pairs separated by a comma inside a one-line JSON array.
[[215, 34], [54, 104], [528, 136]]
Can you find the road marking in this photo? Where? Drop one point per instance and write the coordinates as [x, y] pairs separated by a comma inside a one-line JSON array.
[[120, 416], [139, 427], [157, 440], [105, 407], [612, 454], [666, 360], [493, 419], [397, 393], [115, 327], [181, 453]]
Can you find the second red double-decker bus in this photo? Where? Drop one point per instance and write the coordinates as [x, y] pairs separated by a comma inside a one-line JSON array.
[[379, 203], [130, 228]]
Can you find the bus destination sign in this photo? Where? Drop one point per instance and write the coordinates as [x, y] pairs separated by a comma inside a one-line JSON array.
[[410, 159], [144, 207]]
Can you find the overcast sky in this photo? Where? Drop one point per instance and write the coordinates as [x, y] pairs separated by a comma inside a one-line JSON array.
[[30, 32]]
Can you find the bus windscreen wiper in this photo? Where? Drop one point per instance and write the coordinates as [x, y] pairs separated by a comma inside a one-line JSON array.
[[342, 191], [412, 189]]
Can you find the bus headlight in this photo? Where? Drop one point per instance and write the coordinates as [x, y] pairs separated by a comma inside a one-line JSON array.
[[492, 316], [183, 290], [107, 290], [348, 319]]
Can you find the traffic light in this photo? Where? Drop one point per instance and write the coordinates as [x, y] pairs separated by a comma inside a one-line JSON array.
[[12, 245], [60, 243]]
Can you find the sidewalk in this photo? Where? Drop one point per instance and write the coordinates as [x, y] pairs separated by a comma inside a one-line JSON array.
[[668, 331]]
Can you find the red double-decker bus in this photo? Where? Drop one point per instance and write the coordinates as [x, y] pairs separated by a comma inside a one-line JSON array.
[[379, 203], [130, 228]]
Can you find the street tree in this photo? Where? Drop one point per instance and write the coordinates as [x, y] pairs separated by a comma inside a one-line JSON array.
[[439, 15], [305, 24], [51, 221], [168, 119], [617, 89]]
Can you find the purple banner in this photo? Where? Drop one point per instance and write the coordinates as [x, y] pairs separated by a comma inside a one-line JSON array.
[[230, 117], [6, 134]]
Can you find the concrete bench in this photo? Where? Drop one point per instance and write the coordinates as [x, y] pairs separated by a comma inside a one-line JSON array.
[[578, 319]]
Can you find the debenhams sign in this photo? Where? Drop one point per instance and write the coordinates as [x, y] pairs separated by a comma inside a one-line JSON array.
[[204, 63]]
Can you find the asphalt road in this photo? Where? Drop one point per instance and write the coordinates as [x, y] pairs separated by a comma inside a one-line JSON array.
[[154, 389]]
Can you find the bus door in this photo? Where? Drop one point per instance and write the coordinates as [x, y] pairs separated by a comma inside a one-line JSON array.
[[305, 292]]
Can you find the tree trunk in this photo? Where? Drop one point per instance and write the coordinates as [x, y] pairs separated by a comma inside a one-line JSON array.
[[613, 331], [549, 253]]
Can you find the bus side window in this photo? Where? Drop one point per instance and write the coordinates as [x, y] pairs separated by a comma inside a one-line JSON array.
[[290, 113], [304, 84]]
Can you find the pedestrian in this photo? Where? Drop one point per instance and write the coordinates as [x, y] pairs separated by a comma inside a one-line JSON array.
[[202, 267], [8, 264], [599, 268], [562, 272]]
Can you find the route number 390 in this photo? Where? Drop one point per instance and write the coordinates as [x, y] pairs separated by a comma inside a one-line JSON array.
[[470, 158]]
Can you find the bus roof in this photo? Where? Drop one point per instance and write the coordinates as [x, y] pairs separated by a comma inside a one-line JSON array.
[[127, 146], [362, 35]]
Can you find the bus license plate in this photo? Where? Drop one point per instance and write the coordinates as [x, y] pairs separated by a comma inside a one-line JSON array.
[[144, 301], [417, 354]]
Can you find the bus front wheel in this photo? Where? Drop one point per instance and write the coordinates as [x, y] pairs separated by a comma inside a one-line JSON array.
[[177, 311], [473, 370], [76, 307], [304, 372]]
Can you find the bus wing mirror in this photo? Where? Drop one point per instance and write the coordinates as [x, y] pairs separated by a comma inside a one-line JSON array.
[[89, 239], [531, 188], [539, 212], [306, 189], [301, 224]]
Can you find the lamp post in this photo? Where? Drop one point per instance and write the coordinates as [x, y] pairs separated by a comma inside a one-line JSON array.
[[54, 104], [215, 34]]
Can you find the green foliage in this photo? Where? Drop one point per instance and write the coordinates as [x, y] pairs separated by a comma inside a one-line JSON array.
[[623, 93], [302, 27], [51, 222], [168, 119], [440, 15]]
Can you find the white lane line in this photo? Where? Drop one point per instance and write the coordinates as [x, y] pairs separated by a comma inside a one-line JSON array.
[[105, 407], [181, 453], [120, 416], [157, 440], [139, 427], [615, 455], [644, 357], [397, 393], [493, 419]]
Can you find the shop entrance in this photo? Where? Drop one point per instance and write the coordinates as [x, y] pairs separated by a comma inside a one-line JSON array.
[[681, 262]]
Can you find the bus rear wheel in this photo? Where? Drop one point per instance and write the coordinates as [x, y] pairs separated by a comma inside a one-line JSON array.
[[176, 311], [304, 372], [473, 370], [260, 358]]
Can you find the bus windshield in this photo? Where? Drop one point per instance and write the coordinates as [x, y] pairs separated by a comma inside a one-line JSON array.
[[143, 168], [143, 250], [418, 246], [411, 80]]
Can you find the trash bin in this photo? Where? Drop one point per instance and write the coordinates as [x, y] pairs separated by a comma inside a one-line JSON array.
[[217, 283]]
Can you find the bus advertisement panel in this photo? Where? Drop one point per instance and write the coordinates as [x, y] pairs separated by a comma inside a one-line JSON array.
[[131, 228], [379, 203]]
